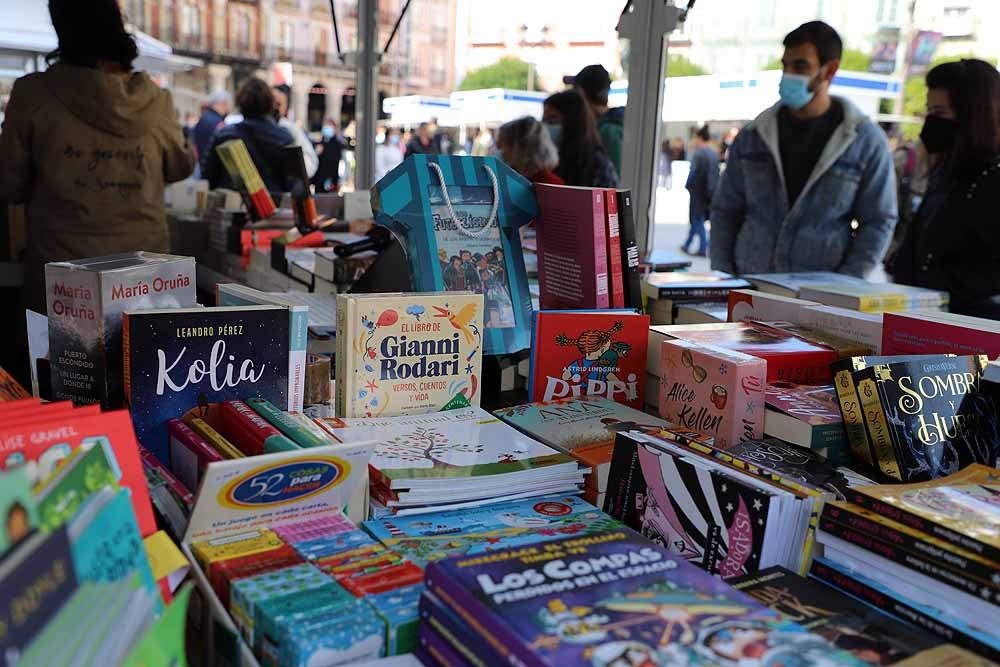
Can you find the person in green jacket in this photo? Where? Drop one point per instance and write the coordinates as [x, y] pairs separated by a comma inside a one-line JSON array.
[[595, 82]]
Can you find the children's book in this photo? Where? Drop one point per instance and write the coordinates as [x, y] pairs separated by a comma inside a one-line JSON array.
[[18, 509], [426, 537], [458, 218], [615, 599], [181, 362], [407, 354], [588, 353], [808, 416], [84, 473]]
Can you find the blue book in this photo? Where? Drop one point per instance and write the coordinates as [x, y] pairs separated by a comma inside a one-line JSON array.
[[188, 360], [480, 250]]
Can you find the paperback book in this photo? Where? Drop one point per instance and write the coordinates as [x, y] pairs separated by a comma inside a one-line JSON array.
[[791, 284], [691, 286], [588, 353], [935, 332], [630, 250], [749, 304], [808, 416], [178, 363], [407, 354], [876, 298]]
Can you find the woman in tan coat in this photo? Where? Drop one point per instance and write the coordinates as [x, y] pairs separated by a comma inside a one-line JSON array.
[[88, 146]]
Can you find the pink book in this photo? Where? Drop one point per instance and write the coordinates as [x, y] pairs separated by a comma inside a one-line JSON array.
[[712, 390], [616, 277], [189, 453], [572, 248]]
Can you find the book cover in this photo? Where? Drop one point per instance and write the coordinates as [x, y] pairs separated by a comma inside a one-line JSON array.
[[599, 353], [791, 284], [180, 362], [462, 214], [630, 251], [791, 462], [615, 599], [933, 332], [928, 418], [11, 389], [868, 635], [572, 247], [960, 509], [18, 509], [86, 471], [749, 304], [712, 390], [852, 325], [807, 415], [583, 427], [692, 286], [426, 537], [875, 298], [406, 354], [86, 299], [790, 358], [616, 276]]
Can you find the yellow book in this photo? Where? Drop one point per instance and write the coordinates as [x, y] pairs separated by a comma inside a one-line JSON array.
[[215, 439]]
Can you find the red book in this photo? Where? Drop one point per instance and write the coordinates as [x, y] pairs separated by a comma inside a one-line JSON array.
[[927, 332], [616, 277], [43, 442], [589, 353], [222, 573], [572, 247], [790, 358], [246, 429]]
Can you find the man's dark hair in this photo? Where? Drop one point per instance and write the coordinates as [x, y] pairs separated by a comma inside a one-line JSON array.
[[594, 82], [974, 92], [255, 98], [284, 88], [91, 32], [826, 40], [703, 133]]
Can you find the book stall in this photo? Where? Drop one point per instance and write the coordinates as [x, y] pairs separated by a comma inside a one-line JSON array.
[[457, 421]]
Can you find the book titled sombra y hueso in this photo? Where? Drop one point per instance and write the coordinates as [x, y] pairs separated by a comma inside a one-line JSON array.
[[407, 354]]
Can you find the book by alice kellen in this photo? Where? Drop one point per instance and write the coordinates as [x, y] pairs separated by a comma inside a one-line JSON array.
[[614, 599], [407, 354], [179, 362]]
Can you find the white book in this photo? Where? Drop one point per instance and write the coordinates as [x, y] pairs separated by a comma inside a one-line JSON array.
[[852, 325]]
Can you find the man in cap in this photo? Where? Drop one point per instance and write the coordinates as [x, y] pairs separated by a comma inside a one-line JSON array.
[[594, 83]]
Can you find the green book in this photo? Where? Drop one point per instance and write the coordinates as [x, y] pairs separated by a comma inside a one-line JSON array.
[[80, 476], [17, 507]]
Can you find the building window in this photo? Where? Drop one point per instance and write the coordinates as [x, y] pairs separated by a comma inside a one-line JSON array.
[[322, 47], [244, 27], [286, 40], [135, 13], [191, 21]]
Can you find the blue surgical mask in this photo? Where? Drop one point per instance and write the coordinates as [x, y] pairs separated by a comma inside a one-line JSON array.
[[328, 131], [555, 132], [794, 90], [394, 139]]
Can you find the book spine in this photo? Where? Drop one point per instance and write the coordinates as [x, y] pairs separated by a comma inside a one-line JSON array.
[[446, 625], [719, 294], [972, 574], [850, 410], [285, 423], [245, 428], [878, 429], [215, 439], [343, 349], [189, 453], [898, 609], [614, 250], [178, 489], [298, 341], [601, 296], [499, 638], [126, 359], [630, 251], [919, 523], [880, 303]]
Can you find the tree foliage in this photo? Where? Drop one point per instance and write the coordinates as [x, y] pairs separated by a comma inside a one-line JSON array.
[[678, 65], [509, 72], [855, 60]]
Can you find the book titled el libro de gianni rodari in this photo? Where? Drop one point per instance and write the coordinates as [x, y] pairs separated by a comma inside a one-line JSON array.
[[404, 354]]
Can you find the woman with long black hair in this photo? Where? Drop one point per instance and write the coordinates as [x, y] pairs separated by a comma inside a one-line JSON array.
[[953, 241], [582, 158]]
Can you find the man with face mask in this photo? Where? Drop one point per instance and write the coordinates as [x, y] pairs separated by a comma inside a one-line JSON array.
[[809, 184]]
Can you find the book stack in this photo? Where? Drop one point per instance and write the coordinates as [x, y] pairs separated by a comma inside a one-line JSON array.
[[808, 416], [448, 460], [665, 292], [605, 599], [241, 169], [927, 552], [792, 284]]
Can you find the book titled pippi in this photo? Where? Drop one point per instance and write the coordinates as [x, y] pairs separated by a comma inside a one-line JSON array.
[[589, 353], [407, 354]]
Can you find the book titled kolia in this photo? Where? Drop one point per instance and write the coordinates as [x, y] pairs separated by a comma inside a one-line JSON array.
[[405, 354], [180, 362]]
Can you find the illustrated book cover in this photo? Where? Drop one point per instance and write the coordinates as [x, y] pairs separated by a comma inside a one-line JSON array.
[[86, 299], [712, 390], [458, 217], [588, 353], [875, 298], [615, 599], [935, 332], [691, 286], [179, 363], [807, 415], [405, 354]]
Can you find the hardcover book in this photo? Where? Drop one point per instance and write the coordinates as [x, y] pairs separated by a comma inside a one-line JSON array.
[[791, 284], [86, 299], [934, 332], [595, 353], [630, 251], [712, 390], [808, 416], [615, 599], [875, 298], [928, 418], [180, 362], [691, 286], [616, 276], [572, 247], [407, 354], [459, 219]]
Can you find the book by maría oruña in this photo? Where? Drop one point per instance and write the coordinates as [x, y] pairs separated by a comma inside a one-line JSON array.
[[928, 418], [180, 362], [962, 509], [865, 633], [615, 599], [459, 219], [589, 353], [408, 354], [86, 299]]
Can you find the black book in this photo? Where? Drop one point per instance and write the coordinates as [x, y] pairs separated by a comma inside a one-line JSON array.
[[793, 463], [630, 251]]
